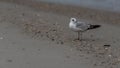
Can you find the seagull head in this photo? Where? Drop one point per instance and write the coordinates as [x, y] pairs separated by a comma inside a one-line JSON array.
[[73, 20]]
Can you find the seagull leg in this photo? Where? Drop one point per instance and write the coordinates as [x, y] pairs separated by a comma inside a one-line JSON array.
[[80, 36]]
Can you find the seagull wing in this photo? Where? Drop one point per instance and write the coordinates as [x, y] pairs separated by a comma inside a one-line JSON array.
[[82, 25]]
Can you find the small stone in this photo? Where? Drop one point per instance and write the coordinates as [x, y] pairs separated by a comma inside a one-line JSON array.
[[57, 42], [53, 24], [23, 14], [38, 31], [52, 39], [91, 35], [114, 41], [102, 62], [46, 32], [68, 56], [41, 35], [62, 42], [38, 15], [86, 58], [54, 30], [91, 16], [93, 40], [106, 48], [47, 36], [9, 60], [38, 49], [95, 64], [23, 49], [110, 55], [80, 49], [107, 45]]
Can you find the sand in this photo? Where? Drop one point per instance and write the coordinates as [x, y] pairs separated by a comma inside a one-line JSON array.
[[39, 38]]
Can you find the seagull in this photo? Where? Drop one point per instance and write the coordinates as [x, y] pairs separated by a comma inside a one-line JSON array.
[[80, 27]]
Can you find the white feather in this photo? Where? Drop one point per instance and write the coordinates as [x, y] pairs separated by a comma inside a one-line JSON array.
[[78, 26]]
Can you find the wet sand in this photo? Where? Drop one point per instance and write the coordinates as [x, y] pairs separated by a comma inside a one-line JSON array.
[[49, 29]]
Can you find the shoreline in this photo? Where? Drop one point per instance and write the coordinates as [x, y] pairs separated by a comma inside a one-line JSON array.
[[80, 12]]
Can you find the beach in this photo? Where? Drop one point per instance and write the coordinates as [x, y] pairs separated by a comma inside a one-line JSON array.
[[36, 34]]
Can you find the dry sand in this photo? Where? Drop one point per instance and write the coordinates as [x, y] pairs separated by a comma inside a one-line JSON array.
[[41, 39]]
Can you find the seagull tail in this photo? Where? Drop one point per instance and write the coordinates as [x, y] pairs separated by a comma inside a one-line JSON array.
[[94, 26]]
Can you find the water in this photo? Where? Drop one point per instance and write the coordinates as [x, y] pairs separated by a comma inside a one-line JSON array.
[[111, 5]]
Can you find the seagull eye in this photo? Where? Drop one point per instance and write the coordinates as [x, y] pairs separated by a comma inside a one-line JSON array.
[[73, 20]]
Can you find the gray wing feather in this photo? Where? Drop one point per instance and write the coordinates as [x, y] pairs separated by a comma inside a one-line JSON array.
[[81, 25]]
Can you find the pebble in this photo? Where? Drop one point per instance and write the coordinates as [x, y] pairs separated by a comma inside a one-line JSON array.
[[95, 64], [47, 36], [23, 49], [23, 14], [62, 42], [93, 40], [52, 39], [38, 49], [107, 45], [9, 60], [106, 48], [91, 35], [38, 15], [110, 55], [41, 35], [54, 30], [114, 41], [67, 56]]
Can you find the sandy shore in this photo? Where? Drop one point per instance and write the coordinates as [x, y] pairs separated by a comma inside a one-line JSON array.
[[80, 12], [51, 35]]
